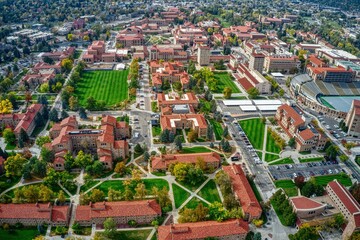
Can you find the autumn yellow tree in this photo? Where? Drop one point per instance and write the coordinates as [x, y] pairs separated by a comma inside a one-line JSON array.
[[5, 106]]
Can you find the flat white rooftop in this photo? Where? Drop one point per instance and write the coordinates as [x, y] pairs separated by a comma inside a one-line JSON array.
[[267, 102], [267, 107], [249, 108], [237, 102]]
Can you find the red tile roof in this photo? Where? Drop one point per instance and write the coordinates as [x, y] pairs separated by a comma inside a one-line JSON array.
[[306, 134], [345, 197], [118, 209], [290, 112], [165, 120], [28, 118], [162, 162], [189, 99], [304, 203], [243, 190], [202, 230], [34, 211]]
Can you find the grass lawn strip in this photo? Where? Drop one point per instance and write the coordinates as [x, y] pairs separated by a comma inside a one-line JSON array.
[[89, 184], [287, 160], [194, 202], [271, 145], [130, 235], [218, 130], [27, 233], [180, 195], [342, 178], [254, 129], [209, 192], [255, 189], [109, 86], [195, 150], [291, 192], [314, 159], [284, 184], [191, 187], [271, 157], [225, 80]]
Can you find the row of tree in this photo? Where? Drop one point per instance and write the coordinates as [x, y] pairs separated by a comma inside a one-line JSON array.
[[283, 208]]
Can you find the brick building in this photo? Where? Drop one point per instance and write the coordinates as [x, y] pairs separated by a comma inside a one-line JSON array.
[[161, 163], [142, 211], [347, 205], [168, 71], [108, 142], [173, 122], [33, 214], [252, 79], [306, 207], [168, 52], [167, 100], [227, 230], [243, 192], [281, 63], [96, 53], [131, 36], [296, 126], [352, 120]]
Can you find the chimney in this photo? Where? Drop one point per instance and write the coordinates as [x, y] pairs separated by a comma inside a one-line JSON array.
[[37, 204], [49, 205]]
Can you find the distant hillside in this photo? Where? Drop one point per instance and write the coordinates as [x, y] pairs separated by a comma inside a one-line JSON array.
[[352, 5]]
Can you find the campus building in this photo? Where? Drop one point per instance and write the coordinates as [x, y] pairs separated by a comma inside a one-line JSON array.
[[195, 122], [96, 53], [227, 230], [281, 63], [352, 120], [306, 207], [330, 74], [33, 214], [59, 55], [168, 71], [243, 192], [189, 35], [170, 100], [161, 163], [168, 52], [296, 126], [252, 79], [108, 142], [243, 32], [141, 211], [203, 55], [131, 36], [347, 205]]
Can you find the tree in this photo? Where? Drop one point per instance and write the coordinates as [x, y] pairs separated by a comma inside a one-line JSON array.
[[307, 232], [45, 194], [9, 136], [355, 191], [5, 106], [180, 171], [64, 114], [140, 191], [299, 181], [226, 146], [253, 93], [225, 132], [66, 65], [97, 195], [128, 194], [82, 113], [114, 195], [332, 152], [193, 215], [41, 140], [14, 165], [39, 168], [138, 148], [146, 156], [292, 142], [73, 103], [209, 132], [23, 136], [162, 197], [227, 92], [28, 97], [54, 116], [47, 155], [91, 103], [61, 197], [82, 160], [120, 168], [217, 212], [178, 143], [44, 88], [343, 158], [110, 228], [192, 135]]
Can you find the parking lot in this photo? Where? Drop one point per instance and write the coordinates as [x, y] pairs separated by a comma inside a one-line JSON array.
[[289, 171]]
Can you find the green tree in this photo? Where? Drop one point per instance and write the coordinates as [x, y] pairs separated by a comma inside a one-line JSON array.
[[253, 93], [308, 233], [178, 143], [97, 195], [9, 136], [47, 155], [54, 115], [227, 92], [114, 195], [120, 168], [14, 165], [61, 196], [82, 160], [192, 135], [140, 191], [217, 212], [292, 142], [41, 140], [138, 148]]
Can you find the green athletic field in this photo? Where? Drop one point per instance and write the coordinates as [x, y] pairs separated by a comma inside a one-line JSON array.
[[109, 86], [225, 80]]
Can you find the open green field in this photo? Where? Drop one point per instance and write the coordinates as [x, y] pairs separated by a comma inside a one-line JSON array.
[[271, 157], [315, 159], [284, 184], [210, 192], [287, 160], [194, 202], [195, 150], [225, 80], [119, 185], [254, 130], [342, 178], [129, 235], [109, 86], [218, 130], [180, 195], [23, 234], [271, 145]]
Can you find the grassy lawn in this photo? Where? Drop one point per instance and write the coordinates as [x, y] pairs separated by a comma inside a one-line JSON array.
[[130, 235], [218, 130], [259, 154], [282, 161], [10, 146], [254, 129], [284, 184], [210, 192], [23, 234], [271, 145], [119, 186], [225, 80], [89, 184], [271, 157], [315, 159], [342, 178], [109, 86], [276, 208], [159, 174], [8, 182], [291, 192], [194, 202], [192, 187], [156, 130], [195, 150], [180, 195]]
